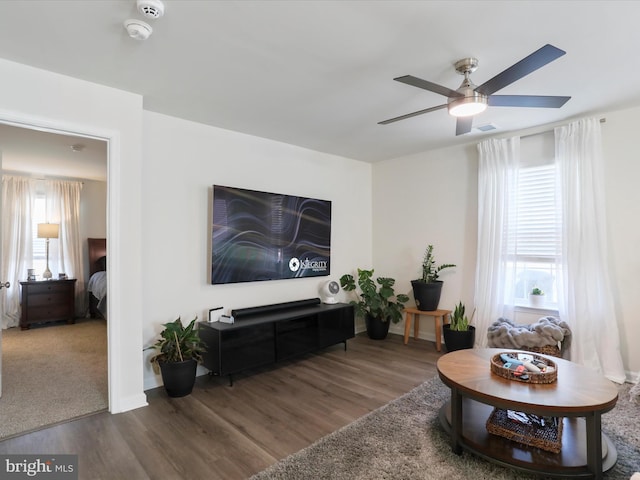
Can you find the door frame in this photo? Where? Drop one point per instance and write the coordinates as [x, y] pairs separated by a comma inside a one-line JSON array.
[[114, 347]]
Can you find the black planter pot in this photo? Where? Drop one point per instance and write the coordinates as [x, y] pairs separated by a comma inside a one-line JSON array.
[[455, 340], [178, 377], [376, 328], [427, 295]]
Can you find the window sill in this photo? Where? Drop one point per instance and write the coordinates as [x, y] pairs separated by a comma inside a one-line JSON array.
[[545, 309]]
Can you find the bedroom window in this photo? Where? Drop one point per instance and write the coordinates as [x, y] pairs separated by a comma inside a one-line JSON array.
[[39, 244]]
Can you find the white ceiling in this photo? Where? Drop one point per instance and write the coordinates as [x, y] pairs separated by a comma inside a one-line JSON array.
[[318, 74], [47, 154]]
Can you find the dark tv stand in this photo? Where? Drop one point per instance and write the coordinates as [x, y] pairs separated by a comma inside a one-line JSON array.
[[272, 333]]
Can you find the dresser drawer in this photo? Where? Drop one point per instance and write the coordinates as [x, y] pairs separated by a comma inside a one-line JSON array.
[[43, 288], [48, 299], [49, 313]]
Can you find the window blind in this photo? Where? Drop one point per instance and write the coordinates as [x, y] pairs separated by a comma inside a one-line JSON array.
[[538, 228], [39, 216]]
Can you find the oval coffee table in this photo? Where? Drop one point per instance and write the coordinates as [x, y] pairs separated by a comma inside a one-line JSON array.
[[579, 396]]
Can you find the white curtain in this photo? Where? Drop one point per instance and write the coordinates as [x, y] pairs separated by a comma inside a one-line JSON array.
[[585, 298], [63, 207], [18, 200], [497, 185]]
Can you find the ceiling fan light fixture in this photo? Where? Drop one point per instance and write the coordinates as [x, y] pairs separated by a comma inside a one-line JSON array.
[[468, 106], [469, 100]]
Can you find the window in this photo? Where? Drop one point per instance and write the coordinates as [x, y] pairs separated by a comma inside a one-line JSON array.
[[39, 244], [536, 240], [39, 260]]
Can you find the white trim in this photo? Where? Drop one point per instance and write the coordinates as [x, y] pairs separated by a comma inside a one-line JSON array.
[[116, 402], [537, 310], [130, 403]]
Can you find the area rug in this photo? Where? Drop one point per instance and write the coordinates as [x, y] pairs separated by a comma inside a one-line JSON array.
[[404, 440], [51, 374]]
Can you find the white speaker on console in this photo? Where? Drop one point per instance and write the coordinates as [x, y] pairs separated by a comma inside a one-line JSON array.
[[329, 290]]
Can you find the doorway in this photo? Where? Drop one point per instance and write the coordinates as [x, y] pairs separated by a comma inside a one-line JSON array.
[[47, 153]]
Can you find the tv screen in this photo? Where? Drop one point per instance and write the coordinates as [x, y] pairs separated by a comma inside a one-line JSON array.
[[268, 236]]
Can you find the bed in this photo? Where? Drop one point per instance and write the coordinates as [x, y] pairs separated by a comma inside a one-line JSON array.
[[97, 286]]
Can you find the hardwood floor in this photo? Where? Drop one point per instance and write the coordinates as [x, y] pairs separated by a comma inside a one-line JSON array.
[[222, 432]]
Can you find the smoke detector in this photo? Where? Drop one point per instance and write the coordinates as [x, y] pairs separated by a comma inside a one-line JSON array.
[[138, 29], [151, 8]]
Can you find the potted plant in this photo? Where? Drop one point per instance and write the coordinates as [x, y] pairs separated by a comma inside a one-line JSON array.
[[378, 304], [427, 289], [179, 351], [458, 334], [536, 297]]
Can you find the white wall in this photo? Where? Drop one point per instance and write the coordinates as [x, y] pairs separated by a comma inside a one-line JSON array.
[[422, 199], [30, 96], [431, 197], [182, 160], [93, 215]]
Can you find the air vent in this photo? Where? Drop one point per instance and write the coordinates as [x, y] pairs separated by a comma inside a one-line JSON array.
[[486, 127], [151, 8]]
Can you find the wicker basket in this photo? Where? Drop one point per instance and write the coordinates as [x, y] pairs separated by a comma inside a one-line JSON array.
[[497, 367], [552, 350], [547, 438]]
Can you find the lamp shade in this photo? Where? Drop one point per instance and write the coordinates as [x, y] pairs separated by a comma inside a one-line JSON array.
[[48, 230]]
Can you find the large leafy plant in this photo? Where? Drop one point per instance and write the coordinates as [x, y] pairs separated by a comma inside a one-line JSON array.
[[429, 269], [376, 299], [178, 343]]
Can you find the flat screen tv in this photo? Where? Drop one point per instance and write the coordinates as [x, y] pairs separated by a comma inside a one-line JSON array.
[[268, 236]]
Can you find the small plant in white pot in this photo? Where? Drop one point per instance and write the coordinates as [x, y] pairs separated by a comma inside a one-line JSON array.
[[536, 297]]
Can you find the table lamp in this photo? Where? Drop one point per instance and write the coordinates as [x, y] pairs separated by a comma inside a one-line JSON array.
[[48, 230]]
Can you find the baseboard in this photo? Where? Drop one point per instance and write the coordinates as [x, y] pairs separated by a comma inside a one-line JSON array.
[[129, 403], [398, 329]]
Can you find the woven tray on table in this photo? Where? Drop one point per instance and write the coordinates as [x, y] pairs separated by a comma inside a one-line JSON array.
[[547, 438], [497, 367]]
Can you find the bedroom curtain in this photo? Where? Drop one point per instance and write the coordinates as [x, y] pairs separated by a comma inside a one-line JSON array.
[[497, 184], [585, 298], [63, 207], [18, 200]]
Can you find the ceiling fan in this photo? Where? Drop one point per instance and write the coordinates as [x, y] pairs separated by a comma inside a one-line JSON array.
[[469, 100]]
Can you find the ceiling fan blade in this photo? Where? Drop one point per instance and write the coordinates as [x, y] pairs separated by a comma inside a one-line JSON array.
[[463, 125], [414, 114], [538, 101], [426, 85], [524, 67]]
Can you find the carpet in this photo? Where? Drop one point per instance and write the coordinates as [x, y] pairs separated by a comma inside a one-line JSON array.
[[404, 440], [52, 373]]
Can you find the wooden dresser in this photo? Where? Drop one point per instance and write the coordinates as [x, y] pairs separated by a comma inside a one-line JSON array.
[[47, 301]]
